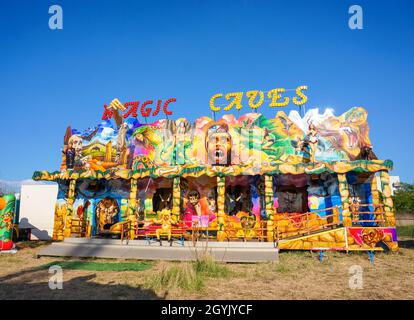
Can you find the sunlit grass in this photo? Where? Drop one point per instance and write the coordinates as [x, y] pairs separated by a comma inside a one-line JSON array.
[[99, 266], [405, 231], [206, 266], [188, 276], [178, 277]]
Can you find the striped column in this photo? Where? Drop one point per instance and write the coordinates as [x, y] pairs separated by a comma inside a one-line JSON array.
[[344, 192], [387, 200], [69, 208], [56, 225], [376, 200], [176, 199], [221, 194], [269, 198], [374, 191], [132, 207]]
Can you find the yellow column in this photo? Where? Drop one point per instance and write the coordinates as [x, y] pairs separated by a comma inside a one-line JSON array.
[[59, 222], [388, 203], [221, 215], [69, 208], [269, 198], [344, 192], [132, 207], [176, 199], [374, 191], [56, 223]]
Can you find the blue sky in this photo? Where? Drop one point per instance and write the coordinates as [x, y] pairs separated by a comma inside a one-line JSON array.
[[138, 50]]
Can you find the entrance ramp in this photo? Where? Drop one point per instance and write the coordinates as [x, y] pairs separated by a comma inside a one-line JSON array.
[[232, 251]]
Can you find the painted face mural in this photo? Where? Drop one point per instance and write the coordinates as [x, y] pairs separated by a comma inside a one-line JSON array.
[[218, 145], [212, 203], [372, 236], [76, 143], [261, 187], [106, 211], [194, 197]]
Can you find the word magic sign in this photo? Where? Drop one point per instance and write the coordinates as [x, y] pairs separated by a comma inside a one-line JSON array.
[[131, 108]]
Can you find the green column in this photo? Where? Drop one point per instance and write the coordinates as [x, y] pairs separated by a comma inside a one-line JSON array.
[[387, 200], [221, 215], [69, 208], [374, 191], [344, 192], [132, 207], [176, 199], [269, 198]]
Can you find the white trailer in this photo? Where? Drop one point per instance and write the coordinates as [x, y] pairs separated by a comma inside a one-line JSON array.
[[37, 209]]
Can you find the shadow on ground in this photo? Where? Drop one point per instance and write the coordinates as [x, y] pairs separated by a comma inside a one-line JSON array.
[[31, 244], [34, 284], [406, 243]]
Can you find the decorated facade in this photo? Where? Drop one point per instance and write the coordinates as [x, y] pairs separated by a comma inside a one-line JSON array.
[[302, 182]]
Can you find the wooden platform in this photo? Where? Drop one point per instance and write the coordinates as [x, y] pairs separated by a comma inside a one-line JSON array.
[[143, 250]]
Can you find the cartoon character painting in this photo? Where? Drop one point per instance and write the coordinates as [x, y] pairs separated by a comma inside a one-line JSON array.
[[7, 211], [196, 214], [142, 148], [106, 212], [73, 153], [121, 146], [312, 141], [193, 206], [165, 221]]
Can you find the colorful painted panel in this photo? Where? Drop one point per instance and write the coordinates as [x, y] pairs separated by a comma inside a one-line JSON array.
[[373, 238], [359, 238], [251, 138], [7, 212]]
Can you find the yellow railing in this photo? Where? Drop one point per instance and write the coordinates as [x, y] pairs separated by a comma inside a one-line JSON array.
[[79, 227], [292, 225], [306, 225], [247, 233]]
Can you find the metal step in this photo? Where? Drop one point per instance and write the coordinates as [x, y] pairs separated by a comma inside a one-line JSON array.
[[175, 243], [226, 252]]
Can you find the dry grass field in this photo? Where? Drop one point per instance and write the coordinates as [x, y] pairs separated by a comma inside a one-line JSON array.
[[298, 275]]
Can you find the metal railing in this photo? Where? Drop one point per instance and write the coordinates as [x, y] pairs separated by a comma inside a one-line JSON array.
[[378, 213], [142, 231]]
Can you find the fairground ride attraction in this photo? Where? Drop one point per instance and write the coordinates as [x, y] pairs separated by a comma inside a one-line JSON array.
[[303, 182]]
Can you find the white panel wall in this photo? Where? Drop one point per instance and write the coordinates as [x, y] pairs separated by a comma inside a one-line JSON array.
[[394, 183], [37, 208]]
